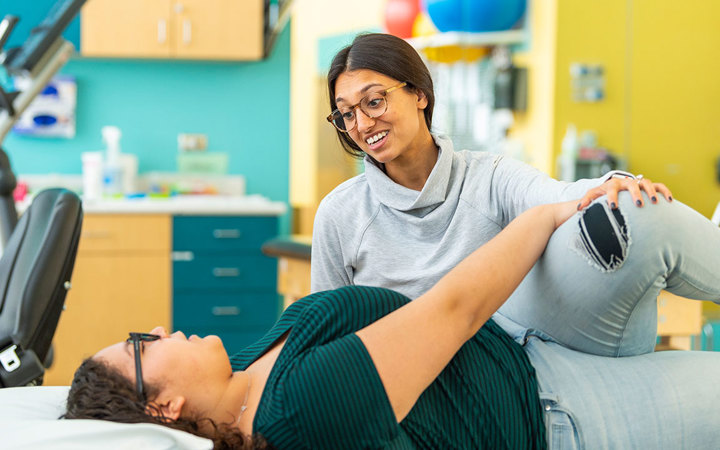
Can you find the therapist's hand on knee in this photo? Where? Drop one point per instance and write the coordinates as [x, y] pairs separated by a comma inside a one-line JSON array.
[[635, 186]]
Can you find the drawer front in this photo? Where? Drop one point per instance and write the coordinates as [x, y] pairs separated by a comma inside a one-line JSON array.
[[224, 271], [222, 233], [239, 311], [120, 232]]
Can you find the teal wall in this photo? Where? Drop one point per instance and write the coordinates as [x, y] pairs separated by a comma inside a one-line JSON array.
[[242, 107]]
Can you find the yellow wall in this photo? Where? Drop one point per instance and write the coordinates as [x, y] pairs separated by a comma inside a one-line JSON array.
[[563, 32], [311, 20], [535, 127], [662, 105], [593, 32], [675, 97]]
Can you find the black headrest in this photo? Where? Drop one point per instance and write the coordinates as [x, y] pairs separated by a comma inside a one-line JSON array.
[[37, 261]]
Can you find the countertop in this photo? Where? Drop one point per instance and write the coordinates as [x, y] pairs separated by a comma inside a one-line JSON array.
[[231, 205], [294, 246]]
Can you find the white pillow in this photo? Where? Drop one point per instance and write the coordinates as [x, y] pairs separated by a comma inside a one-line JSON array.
[[29, 420]]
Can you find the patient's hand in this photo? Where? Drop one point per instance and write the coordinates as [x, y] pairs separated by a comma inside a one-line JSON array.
[[633, 185]]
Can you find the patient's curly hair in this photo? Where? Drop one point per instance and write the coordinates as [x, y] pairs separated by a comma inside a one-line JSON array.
[[99, 391]]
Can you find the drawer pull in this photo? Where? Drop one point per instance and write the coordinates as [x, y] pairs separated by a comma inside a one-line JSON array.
[[225, 311], [183, 256], [162, 31], [226, 272], [187, 32], [230, 233]]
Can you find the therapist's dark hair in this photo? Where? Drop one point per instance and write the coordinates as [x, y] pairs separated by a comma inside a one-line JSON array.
[[390, 56], [99, 391]]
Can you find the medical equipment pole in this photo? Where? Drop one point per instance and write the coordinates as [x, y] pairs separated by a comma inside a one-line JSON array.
[[48, 66]]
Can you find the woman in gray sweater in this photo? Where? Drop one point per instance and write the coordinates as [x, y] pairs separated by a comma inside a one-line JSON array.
[[420, 207]]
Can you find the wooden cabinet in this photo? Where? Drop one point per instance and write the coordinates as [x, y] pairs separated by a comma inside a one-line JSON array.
[[121, 283], [678, 320], [293, 279], [130, 28], [186, 29]]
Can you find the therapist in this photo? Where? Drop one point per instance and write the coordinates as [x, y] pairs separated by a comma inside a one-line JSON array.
[[420, 207]]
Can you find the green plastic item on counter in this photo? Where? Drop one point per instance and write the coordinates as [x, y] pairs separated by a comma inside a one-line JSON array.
[[208, 163]]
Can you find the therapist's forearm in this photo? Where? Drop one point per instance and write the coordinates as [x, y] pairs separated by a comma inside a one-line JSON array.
[[482, 282]]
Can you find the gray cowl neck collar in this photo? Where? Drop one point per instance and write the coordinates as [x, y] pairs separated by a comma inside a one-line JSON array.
[[401, 198]]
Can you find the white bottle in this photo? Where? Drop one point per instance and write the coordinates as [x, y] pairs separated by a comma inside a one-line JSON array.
[[92, 175], [112, 179], [568, 155], [129, 164]]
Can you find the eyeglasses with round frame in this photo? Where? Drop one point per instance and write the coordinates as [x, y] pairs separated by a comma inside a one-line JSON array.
[[138, 340], [373, 105]]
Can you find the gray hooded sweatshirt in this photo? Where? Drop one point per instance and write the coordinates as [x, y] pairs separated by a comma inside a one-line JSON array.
[[372, 231]]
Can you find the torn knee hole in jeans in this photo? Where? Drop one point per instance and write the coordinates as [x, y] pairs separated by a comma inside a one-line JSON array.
[[603, 237]]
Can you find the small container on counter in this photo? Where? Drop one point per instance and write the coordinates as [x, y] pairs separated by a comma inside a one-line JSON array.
[[92, 175]]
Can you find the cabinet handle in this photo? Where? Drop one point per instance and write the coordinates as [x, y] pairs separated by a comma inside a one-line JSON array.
[[232, 233], [187, 31], [162, 31], [183, 256], [226, 272], [225, 311]]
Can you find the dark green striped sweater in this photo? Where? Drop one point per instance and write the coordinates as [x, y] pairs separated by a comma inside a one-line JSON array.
[[324, 391]]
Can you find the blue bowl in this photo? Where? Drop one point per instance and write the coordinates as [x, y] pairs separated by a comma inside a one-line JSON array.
[[475, 15]]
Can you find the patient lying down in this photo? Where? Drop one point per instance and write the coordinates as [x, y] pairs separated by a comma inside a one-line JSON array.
[[361, 367]]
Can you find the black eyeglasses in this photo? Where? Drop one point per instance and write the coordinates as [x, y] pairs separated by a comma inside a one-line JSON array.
[[137, 340]]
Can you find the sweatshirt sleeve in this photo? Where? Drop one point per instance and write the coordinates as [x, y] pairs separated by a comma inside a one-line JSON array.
[[516, 187], [329, 266]]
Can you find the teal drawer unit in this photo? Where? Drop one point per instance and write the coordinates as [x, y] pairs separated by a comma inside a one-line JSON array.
[[224, 271], [222, 283], [223, 234]]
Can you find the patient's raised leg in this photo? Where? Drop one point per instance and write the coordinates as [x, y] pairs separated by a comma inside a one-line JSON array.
[[596, 285]]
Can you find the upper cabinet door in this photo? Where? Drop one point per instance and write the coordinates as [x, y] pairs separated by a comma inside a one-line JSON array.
[[127, 28], [186, 29], [219, 29]]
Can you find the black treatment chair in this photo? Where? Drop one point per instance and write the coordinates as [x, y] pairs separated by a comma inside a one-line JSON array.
[[38, 251], [35, 271]]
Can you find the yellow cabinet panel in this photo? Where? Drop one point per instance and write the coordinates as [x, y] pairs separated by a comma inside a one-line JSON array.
[[114, 291], [127, 28], [678, 316], [187, 29], [113, 232], [219, 29]]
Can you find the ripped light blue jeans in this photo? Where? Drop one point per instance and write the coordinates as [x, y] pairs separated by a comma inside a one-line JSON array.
[[586, 315]]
